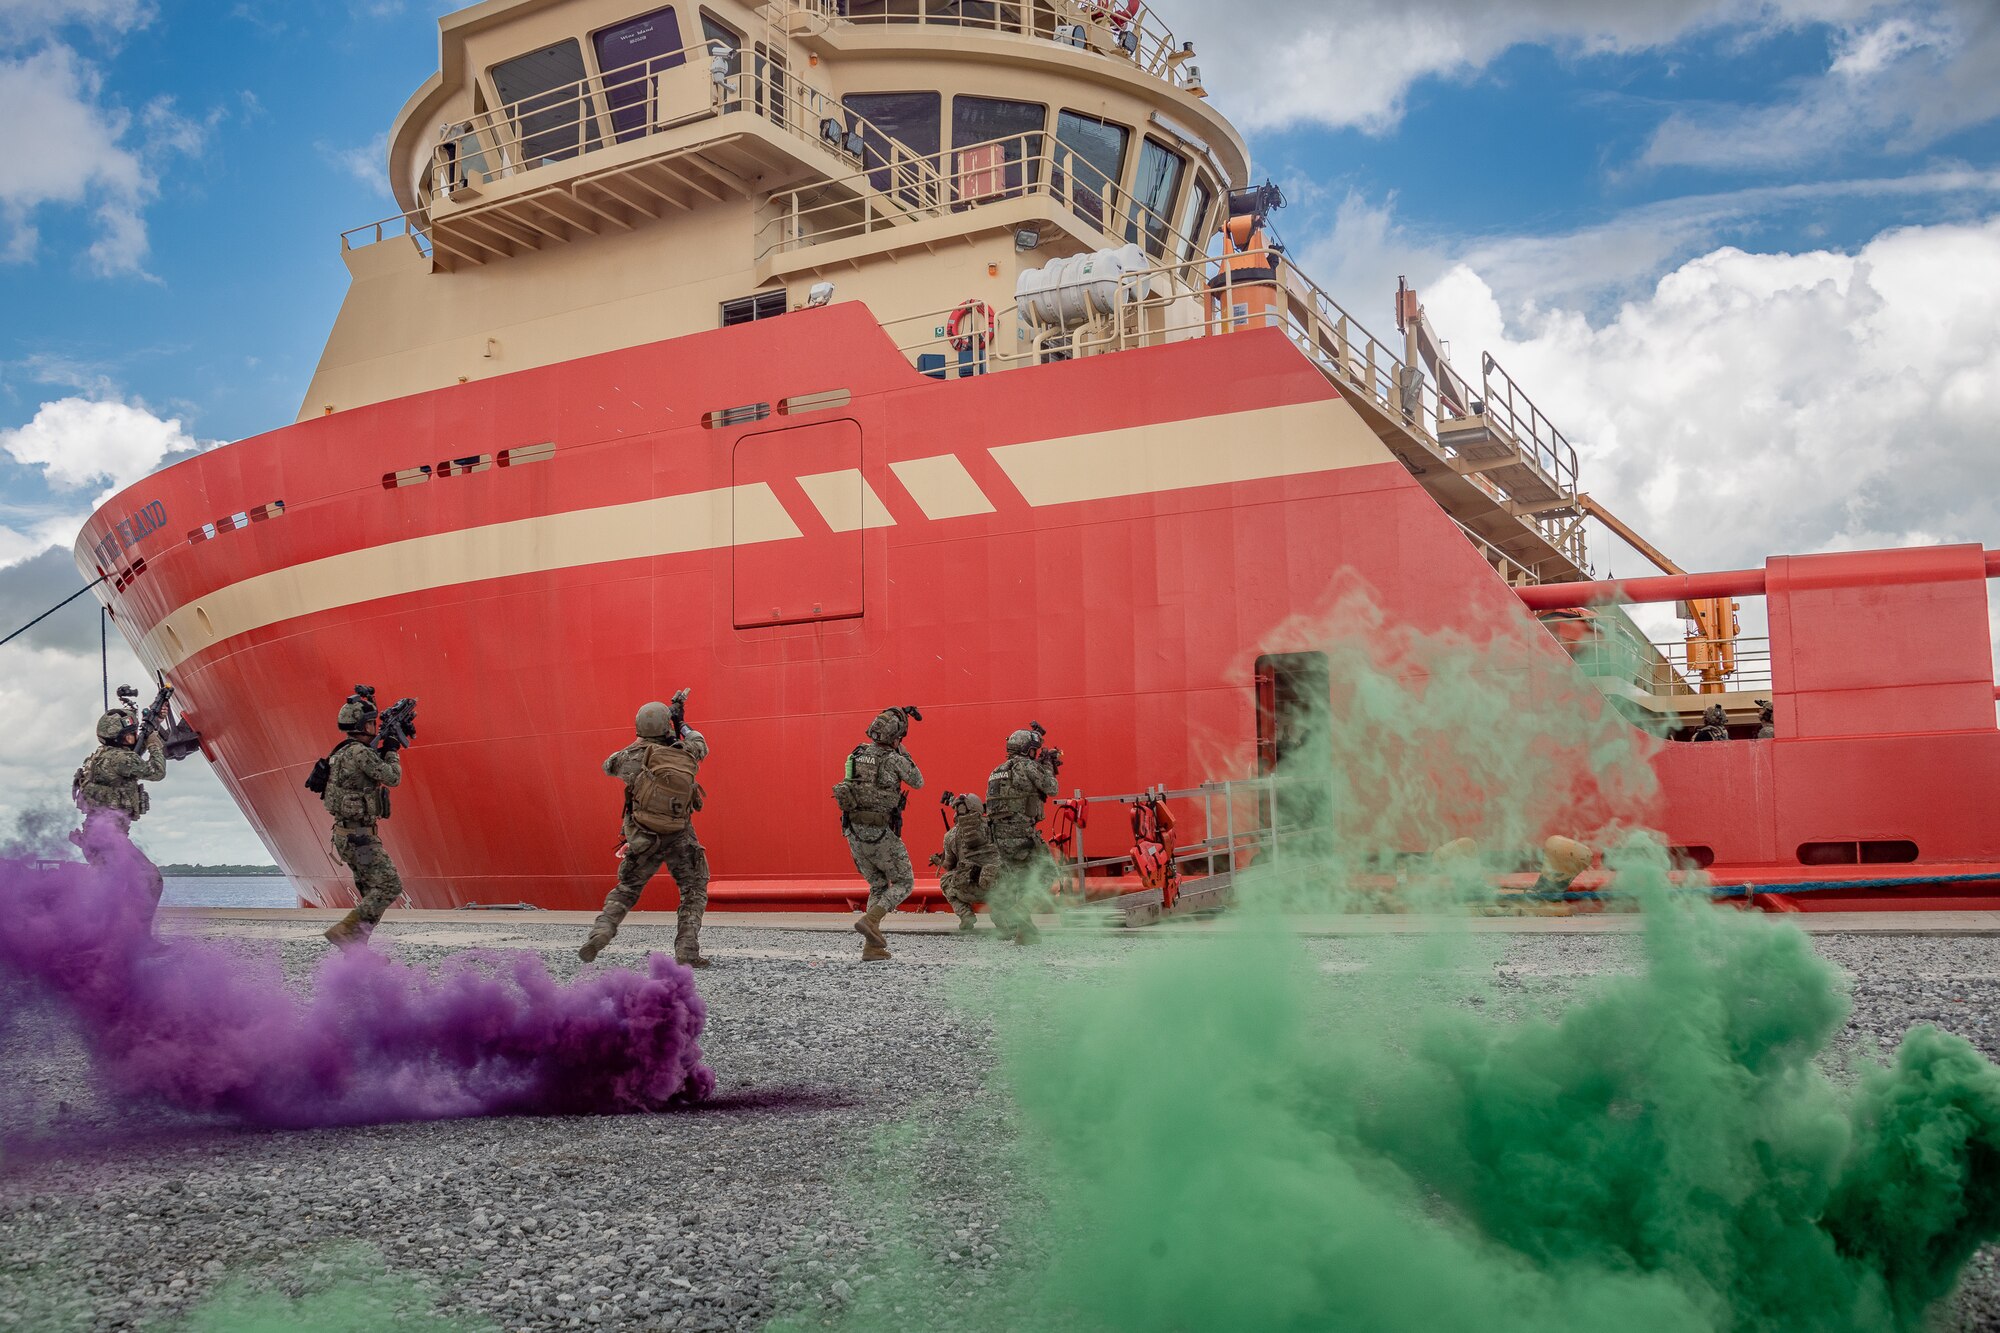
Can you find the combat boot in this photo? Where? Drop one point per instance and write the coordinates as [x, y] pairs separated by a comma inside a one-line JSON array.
[[687, 939], [967, 919], [1026, 933], [869, 927], [598, 941], [348, 932]]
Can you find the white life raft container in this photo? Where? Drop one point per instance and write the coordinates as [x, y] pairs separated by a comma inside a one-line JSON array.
[[1068, 293]]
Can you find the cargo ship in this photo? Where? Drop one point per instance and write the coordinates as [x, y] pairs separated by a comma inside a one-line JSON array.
[[821, 355]]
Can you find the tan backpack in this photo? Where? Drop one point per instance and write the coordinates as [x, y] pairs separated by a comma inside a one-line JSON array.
[[663, 793]]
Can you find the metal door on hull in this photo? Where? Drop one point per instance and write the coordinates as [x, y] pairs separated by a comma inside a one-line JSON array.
[[800, 510], [1294, 747]]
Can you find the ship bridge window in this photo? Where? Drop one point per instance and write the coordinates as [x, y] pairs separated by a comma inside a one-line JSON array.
[[989, 133], [544, 95], [1094, 152], [629, 55], [744, 309], [1194, 219], [911, 120], [1153, 196]]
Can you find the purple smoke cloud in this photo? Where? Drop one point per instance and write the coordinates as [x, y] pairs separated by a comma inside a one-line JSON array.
[[198, 1026]]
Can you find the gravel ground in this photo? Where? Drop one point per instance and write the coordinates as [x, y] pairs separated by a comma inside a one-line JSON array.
[[708, 1219]]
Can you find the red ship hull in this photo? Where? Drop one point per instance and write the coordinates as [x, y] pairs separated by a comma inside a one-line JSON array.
[[1106, 545]]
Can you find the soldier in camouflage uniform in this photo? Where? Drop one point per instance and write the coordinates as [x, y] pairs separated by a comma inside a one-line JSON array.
[[1766, 721], [1016, 794], [871, 800], [109, 779], [1714, 724], [970, 860], [358, 779], [661, 797]]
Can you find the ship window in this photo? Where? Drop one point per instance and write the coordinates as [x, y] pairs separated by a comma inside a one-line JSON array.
[[713, 32], [911, 120], [1873, 851], [544, 94], [744, 309], [977, 121], [771, 79], [628, 56], [1153, 196], [1194, 220], [1097, 149]]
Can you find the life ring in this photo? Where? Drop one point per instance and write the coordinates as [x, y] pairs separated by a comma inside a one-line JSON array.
[[1120, 14], [964, 339]]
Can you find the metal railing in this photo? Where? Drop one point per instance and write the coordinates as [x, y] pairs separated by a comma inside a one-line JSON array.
[[1173, 301], [648, 97], [1506, 404], [1241, 824], [888, 191], [374, 233], [1674, 666], [1109, 28]]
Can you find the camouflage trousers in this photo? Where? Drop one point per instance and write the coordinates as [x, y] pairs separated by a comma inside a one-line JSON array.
[[93, 853], [967, 885], [885, 864], [376, 883], [680, 854], [1027, 869]]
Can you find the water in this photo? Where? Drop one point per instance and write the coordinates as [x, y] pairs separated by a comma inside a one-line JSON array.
[[229, 891]]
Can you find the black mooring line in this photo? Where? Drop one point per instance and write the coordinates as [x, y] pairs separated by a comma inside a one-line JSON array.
[[52, 610]]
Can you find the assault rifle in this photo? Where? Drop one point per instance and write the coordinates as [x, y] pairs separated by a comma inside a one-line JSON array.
[[177, 738], [396, 726], [1043, 751]]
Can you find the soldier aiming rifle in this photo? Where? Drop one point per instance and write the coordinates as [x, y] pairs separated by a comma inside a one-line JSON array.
[[871, 799], [129, 752], [353, 782], [662, 796], [1017, 793]]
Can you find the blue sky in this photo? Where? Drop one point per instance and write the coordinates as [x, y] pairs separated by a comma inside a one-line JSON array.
[[1730, 243]]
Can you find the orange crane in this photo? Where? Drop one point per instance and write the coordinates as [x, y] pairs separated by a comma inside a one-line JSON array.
[[1711, 644]]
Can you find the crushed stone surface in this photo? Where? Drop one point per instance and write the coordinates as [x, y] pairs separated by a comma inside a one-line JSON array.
[[766, 1199]]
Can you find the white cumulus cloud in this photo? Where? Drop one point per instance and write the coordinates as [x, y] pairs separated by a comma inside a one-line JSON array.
[[83, 150], [80, 442], [1352, 62], [1754, 404]]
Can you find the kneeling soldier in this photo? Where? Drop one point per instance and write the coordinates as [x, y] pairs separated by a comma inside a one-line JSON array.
[[970, 860], [661, 797]]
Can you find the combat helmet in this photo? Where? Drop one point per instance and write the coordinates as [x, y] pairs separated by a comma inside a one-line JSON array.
[[889, 727], [967, 805], [1715, 715], [655, 722], [1022, 742], [113, 725], [356, 714]]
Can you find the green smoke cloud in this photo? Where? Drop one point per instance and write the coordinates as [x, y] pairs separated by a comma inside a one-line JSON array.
[[343, 1292], [1224, 1132]]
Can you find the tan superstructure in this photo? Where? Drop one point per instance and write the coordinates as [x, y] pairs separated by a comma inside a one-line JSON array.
[[583, 176], [632, 203]]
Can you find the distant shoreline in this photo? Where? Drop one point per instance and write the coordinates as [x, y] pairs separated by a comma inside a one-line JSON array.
[[221, 872]]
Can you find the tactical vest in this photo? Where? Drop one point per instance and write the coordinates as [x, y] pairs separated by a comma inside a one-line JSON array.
[[349, 797], [663, 792], [1010, 797], [870, 792], [106, 791]]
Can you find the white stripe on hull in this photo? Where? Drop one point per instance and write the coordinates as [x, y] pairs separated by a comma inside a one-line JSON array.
[[1294, 440]]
